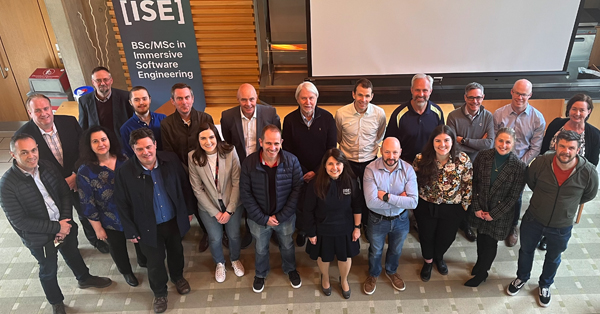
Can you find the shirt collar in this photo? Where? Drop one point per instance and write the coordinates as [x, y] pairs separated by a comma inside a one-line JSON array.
[[262, 162], [105, 99], [137, 118], [155, 166], [244, 117], [381, 165], [49, 133], [527, 110], [367, 112], [306, 120], [470, 115], [27, 173]]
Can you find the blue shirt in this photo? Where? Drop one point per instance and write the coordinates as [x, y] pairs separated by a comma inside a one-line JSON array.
[[135, 123], [402, 179], [163, 207], [529, 127]]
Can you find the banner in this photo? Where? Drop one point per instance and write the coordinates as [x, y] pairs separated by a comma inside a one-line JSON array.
[[160, 47]]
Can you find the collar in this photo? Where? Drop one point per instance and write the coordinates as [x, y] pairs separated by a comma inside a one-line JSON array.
[[527, 110], [367, 112], [466, 112], [427, 107], [253, 116], [137, 118], [146, 169], [105, 99], [262, 162], [380, 164], [49, 133], [27, 173], [311, 119]]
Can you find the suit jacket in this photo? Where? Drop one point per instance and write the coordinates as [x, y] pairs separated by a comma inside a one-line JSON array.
[[122, 111], [233, 133], [69, 133]]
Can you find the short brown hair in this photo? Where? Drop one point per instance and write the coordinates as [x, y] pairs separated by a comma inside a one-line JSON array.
[[180, 86], [137, 88], [139, 134], [364, 83], [34, 96]]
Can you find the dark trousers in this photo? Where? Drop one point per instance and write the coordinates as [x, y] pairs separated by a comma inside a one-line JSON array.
[[359, 170], [47, 257], [487, 247], [438, 224], [517, 210], [88, 230], [117, 246], [169, 240]]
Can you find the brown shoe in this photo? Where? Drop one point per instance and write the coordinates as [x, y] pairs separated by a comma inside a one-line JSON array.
[[182, 286], [160, 304], [397, 282], [513, 237], [370, 285], [203, 244]]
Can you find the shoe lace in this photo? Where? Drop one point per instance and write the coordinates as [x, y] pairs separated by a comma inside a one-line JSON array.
[[370, 280], [517, 283], [545, 292], [294, 275]]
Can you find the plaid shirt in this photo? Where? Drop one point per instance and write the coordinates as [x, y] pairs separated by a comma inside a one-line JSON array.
[[54, 144]]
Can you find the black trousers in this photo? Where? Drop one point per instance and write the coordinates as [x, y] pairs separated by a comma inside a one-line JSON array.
[[487, 247], [359, 170], [117, 246], [438, 224], [169, 241]]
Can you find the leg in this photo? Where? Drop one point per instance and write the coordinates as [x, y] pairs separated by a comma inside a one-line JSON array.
[[324, 268], [376, 233], [141, 258], [396, 238], [284, 232], [233, 230], [427, 229], [157, 274], [117, 245], [344, 271], [531, 233], [558, 238], [215, 236], [71, 255], [261, 235], [447, 228], [487, 248], [172, 243], [47, 259], [88, 230]]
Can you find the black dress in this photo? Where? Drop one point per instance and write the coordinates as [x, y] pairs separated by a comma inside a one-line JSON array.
[[332, 221]]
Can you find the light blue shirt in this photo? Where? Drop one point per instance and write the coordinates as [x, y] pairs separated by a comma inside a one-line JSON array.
[[529, 127], [402, 179]]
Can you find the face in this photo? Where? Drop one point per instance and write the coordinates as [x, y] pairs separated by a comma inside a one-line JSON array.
[[145, 150], [579, 112], [26, 154], [208, 141], [473, 99], [521, 92], [247, 98], [40, 112], [271, 144], [362, 98], [390, 152], [102, 82], [307, 102], [334, 168], [421, 90], [140, 101], [442, 144], [183, 101], [566, 151], [503, 143], [100, 143]]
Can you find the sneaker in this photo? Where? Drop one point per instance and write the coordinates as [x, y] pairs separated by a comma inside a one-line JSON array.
[[397, 282], [515, 286], [295, 279], [258, 285], [238, 268], [544, 297], [220, 272], [370, 285]]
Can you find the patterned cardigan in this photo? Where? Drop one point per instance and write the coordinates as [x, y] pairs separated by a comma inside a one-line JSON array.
[[499, 199]]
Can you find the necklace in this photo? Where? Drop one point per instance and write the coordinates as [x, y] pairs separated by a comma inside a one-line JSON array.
[[498, 167]]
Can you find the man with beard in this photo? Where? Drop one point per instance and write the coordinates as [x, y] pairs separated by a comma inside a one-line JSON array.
[[560, 181], [390, 188], [140, 99]]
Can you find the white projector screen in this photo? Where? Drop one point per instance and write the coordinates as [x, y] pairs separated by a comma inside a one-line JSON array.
[[394, 37]]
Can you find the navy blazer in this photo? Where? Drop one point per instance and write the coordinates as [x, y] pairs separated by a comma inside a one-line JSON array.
[[122, 111]]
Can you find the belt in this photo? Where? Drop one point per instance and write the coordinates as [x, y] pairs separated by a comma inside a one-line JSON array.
[[388, 218]]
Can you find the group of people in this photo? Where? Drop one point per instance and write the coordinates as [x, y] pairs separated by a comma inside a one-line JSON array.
[[139, 176]]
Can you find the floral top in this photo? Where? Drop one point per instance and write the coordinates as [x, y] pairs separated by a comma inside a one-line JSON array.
[[581, 150], [96, 186], [454, 184]]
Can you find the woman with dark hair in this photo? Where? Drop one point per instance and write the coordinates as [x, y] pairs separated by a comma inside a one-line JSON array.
[[215, 177], [444, 176], [498, 179], [332, 208], [100, 155]]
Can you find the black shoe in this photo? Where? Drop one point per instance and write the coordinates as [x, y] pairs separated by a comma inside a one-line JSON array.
[[182, 286], [327, 291], [246, 240], [300, 238], [477, 280], [426, 271], [94, 282], [295, 279], [515, 286], [131, 280], [470, 235], [258, 285], [102, 247], [543, 244], [544, 297], [203, 244], [441, 267], [225, 240], [58, 308], [345, 294], [160, 304]]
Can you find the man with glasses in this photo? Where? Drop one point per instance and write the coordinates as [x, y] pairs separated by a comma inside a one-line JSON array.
[[529, 126]]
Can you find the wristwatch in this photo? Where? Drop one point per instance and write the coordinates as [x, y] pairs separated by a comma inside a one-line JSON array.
[[463, 141], [386, 197], [357, 226]]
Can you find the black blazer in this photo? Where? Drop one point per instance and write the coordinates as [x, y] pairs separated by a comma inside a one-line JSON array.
[[122, 111], [69, 133], [231, 126]]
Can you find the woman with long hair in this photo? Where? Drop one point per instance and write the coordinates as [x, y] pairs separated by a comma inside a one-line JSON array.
[[444, 176], [332, 208], [100, 155], [215, 177], [498, 179]]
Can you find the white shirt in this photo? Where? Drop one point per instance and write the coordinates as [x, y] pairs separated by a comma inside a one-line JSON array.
[[51, 207], [249, 127], [212, 165], [358, 134]]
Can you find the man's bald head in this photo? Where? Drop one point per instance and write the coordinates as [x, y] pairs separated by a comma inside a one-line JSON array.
[[390, 152], [521, 92], [247, 97], [391, 142]]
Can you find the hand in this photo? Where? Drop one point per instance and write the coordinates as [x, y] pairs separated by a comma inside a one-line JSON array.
[[313, 240], [65, 226], [402, 194], [355, 234], [459, 139], [487, 216], [190, 217], [308, 176], [380, 194], [272, 221], [478, 214], [222, 218], [101, 234], [484, 136], [72, 181], [134, 240]]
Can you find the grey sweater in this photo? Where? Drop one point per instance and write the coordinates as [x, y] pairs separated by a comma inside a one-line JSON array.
[[473, 131]]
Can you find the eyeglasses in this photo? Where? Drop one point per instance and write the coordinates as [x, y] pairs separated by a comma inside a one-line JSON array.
[[105, 80], [471, 98], [521, 94]]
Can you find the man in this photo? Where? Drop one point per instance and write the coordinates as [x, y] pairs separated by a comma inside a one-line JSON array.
[[270, 184], [38, 204], [58, 142], [560, 181], [474, 127], [529, 126], [309, 132], [360, 128], [412, 122], [140, 99], [241, 127], [390, 186], [179, 133], [107, 106], [156, 203]]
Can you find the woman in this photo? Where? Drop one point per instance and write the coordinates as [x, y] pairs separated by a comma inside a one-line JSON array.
[[498, 179], [99, 155], [215, 176], [332, 208], [444, 176]]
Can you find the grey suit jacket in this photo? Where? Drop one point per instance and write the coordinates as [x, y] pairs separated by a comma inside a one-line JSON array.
[[203, 183], [231, 126], [122, 110]]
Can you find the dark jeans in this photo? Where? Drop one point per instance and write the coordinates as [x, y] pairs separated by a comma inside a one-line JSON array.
[[438, 224], [359, 170], [517, 210], [531, 233], [117, 246], [47, 258], [88, 230], [487, 247], [169, 240]]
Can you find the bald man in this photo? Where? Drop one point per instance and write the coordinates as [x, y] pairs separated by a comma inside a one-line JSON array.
[[390, 187], [529, 126]]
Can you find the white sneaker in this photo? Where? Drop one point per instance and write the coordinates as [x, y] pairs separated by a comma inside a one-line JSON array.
[[220, 272], [238, 268]]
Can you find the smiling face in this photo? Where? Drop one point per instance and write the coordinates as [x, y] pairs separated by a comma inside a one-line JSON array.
[[100, 143], [442, 145], [334, 168], [208, 141], [145, 150], [26, 154], [579, 112], [307, 101], [271, 144], [40, 112], [390, 152], [140, 101], [420, 90], [247, 97], [503, 143], [566, 151], [521, 92], [362, 98], [473, 99]]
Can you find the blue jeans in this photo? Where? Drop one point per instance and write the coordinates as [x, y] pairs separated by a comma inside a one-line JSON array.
[[262, 235], [531, 233], [378, 229], [215, 235]]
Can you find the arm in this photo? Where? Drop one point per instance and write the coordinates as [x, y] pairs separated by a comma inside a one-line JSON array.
[[392, 127], [381, 128], [411, 189], [199, 191], [186, 188], [592, 136], [234, 198], [225, 128], [338, 126], [553, 127], [165, 134], [309, 207], [250, 204], [83, 114], [287, 136], [10, 202], [531, 174], [591, 188], [475, 206], [124, 206], [276, 120], [86, 195], [535, 145], [466, 177], [332, 135], [483, 143], [289, 208], [125, 138]]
